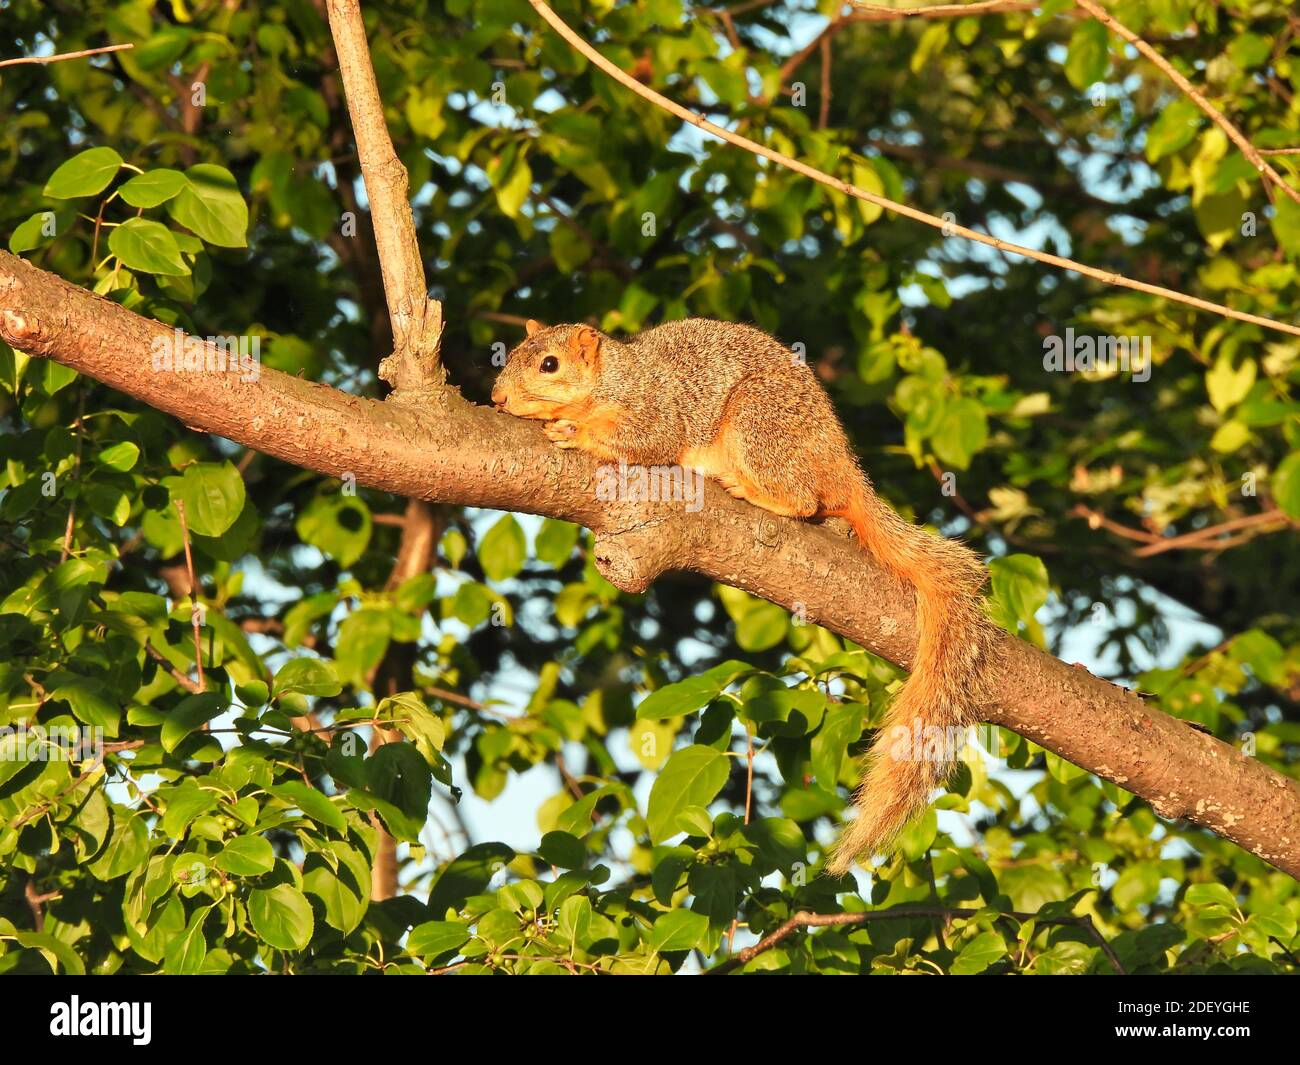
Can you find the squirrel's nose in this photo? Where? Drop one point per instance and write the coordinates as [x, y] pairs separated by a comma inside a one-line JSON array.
[[498, 397]]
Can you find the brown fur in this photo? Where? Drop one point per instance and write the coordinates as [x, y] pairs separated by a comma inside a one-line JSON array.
[[734, 403]]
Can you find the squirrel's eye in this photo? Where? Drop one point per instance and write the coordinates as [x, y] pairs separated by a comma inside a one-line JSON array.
[[549, 364]]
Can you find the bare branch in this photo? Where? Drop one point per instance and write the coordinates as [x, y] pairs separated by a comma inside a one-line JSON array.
[[416, 319], [864, 12], [42, 59], [805, 919]]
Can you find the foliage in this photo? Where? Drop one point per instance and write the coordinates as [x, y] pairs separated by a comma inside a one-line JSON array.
[[236, 829]]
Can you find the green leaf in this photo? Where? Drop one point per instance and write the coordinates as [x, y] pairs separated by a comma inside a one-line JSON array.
[[694, 693], [1286, 225], [189, 714], [397, 774], [1226, 386], [57, 950], [338, 525], [281, 916], [503, 549], [693, 776], [1275, 920], [513, 191], [1210, 895], [126, 849], [186, 953], [1087, 59], [306, 676], [184, 803], [152, 188], [1286, 484], [85, 174], [435, 938], [210, 206], [120, 457], [40, 229], [214, 496], [148, 247], [1020, 582], [343, 887], [246, 856], [90, 703], [979, 954], [679, 930], [556, 539], [841, 726], [563, 849], [311, 802], [1175, 128], [963, 431], [363, 638]]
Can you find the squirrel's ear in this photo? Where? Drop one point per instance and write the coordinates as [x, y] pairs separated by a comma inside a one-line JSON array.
[[584, 344], [532, 326]]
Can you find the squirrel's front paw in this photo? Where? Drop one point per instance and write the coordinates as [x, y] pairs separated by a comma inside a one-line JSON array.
[[561, 433]]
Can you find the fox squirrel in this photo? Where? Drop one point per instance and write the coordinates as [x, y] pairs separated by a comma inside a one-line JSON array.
[[735, 404]]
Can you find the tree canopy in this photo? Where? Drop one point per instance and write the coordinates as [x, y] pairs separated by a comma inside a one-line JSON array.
[[299, 679]]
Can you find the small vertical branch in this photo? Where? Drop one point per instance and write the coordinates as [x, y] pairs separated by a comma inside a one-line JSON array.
[[76, 471], [194, 595], [824, 115], [749, 772], [416, 319]]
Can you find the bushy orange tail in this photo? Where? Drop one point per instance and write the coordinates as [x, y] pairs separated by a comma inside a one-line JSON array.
[[954, 643]]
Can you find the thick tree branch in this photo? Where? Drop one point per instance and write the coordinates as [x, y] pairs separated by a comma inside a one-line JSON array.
[[454, 452]]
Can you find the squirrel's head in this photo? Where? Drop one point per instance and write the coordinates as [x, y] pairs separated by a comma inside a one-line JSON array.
[[551, 368]]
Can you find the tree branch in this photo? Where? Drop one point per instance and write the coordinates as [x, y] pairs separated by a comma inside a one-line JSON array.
[[805, 919], [416, 319], [66, 55], [864, 12], [449, 450]]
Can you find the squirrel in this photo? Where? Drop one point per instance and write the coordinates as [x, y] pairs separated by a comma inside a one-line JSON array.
[[739, 407]]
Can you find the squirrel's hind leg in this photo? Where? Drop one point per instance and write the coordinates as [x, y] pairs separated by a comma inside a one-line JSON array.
[[756, 457]]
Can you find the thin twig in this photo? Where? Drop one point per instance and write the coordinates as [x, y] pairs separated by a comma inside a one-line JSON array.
[[948, 228], [805, 919], [749, 772], [824, 103], [194, 595], [1196, 540], [877, 13], [180, 678], [42, 59]]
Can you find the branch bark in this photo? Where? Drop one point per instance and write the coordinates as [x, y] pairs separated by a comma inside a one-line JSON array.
[[451, 451]]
